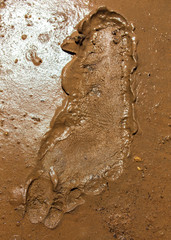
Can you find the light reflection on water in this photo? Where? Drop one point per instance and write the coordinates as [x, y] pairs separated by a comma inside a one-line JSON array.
[[27, 88]]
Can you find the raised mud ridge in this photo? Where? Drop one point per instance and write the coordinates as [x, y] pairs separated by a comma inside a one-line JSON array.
[[90, 134]]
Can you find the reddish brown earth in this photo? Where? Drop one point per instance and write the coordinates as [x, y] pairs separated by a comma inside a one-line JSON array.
[[136, 205]]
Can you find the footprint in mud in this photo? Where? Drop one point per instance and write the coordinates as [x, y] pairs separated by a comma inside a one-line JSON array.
[[90, 134]]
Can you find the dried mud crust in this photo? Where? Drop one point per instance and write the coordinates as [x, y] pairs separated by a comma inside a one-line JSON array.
[[90, 134]]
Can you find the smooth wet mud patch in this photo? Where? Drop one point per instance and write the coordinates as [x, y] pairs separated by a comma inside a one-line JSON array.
[[90, 135]]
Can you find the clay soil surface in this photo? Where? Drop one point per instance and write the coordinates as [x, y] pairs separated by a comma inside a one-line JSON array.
[[137, 205]]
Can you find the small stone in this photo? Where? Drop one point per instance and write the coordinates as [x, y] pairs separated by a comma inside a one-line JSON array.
[[137, 159], [139, 169], [6, 133]]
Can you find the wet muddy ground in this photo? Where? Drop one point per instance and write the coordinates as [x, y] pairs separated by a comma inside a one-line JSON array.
[[134, 206]]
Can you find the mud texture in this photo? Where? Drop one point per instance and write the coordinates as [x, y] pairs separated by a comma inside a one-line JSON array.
[[107, 149]]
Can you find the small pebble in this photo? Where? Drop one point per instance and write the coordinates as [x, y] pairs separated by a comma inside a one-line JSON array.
[[137, 159]]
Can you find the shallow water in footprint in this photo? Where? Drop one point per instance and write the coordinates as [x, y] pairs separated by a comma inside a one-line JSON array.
[[90, 134]]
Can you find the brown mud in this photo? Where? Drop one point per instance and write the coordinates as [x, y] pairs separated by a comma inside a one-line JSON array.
[[95, 173]]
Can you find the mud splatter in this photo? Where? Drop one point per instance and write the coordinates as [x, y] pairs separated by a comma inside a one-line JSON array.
[[24, 36], [31, 55], [44, 37]]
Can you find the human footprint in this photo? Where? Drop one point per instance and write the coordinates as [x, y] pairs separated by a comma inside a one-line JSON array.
[[90, 134]]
